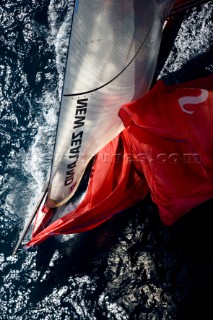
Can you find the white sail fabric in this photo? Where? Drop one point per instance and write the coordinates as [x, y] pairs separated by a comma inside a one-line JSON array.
[[111, 60]]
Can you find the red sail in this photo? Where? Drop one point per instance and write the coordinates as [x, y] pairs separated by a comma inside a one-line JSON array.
[[166, 148], [182, 5], [114, 186], [172, 128]]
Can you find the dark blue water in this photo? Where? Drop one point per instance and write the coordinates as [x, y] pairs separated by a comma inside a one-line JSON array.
[[130, 268]]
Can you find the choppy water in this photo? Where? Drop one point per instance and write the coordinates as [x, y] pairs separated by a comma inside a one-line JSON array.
[[130, 268]]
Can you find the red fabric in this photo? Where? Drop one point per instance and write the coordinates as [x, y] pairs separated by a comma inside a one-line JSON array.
[[174, 141], [42, 218], [188, 3], [114, 186], [166, 148], [180, 6]]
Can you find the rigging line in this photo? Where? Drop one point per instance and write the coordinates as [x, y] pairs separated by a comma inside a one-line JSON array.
[[95, 89]]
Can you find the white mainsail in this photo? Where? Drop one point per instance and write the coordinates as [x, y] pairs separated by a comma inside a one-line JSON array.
[[112, 57]]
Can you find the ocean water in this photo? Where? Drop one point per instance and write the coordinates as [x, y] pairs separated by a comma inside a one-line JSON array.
[[132, 267]]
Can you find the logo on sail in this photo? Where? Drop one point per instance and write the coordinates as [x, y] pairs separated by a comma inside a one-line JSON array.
[[76, 140], [193, 100]]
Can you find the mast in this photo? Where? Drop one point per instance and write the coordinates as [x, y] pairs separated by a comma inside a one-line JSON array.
[[30, 220]]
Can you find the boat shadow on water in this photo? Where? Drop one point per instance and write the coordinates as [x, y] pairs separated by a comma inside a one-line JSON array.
[[135, 250]]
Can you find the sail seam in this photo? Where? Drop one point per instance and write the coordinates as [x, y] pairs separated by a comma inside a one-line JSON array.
[[95, 89]]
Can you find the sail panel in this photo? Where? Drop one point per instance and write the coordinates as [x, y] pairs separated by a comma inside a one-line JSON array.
[[111, 60]]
